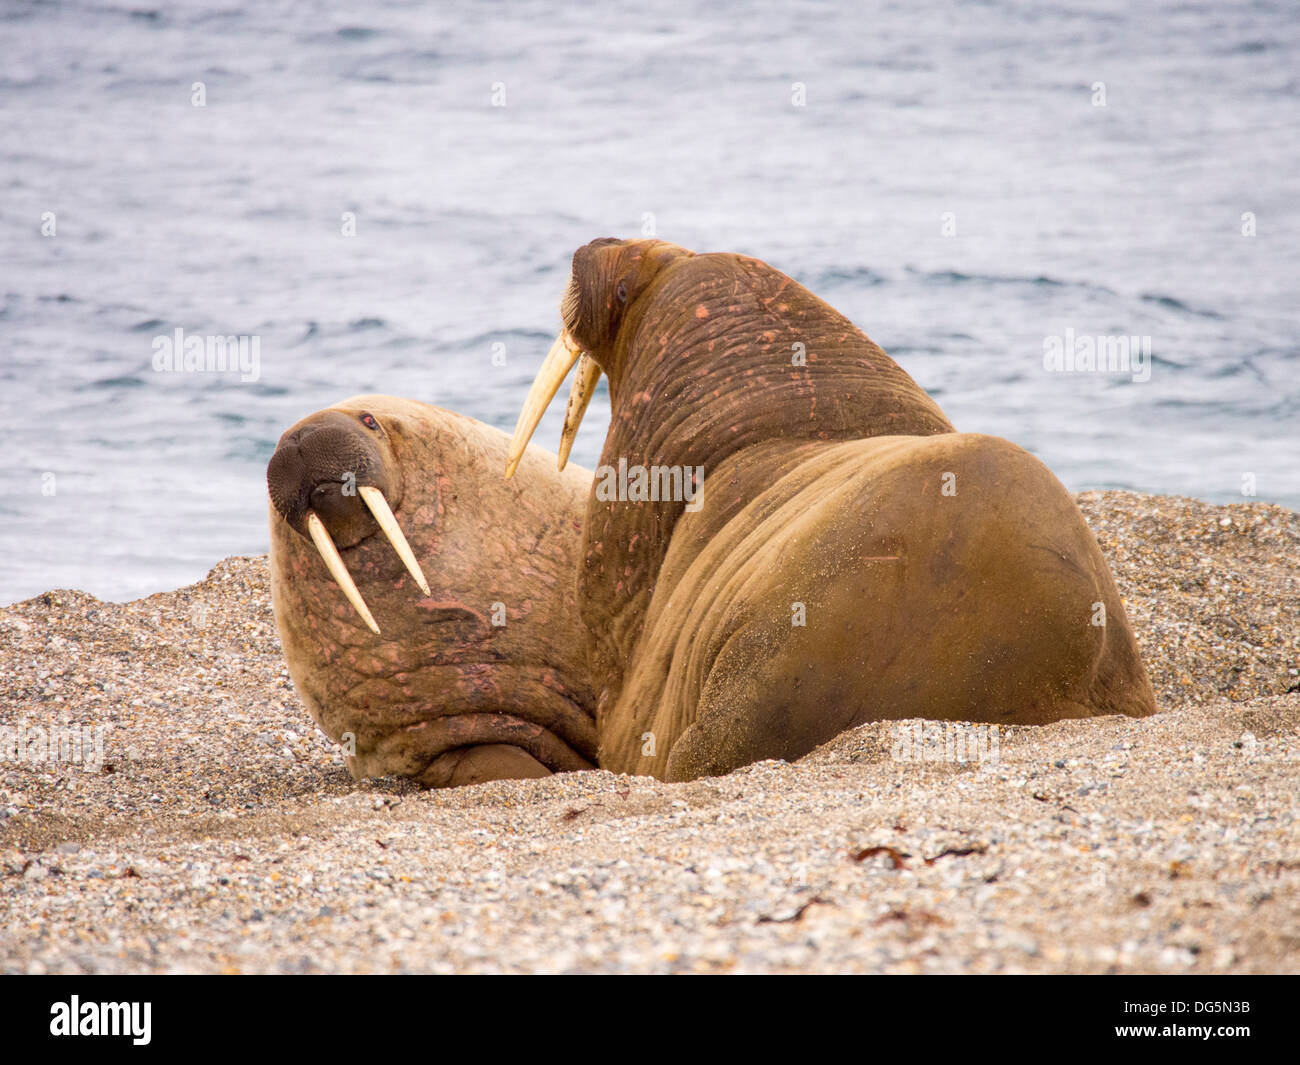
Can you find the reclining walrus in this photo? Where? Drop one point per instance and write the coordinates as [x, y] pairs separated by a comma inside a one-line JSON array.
[[426, 607], [855, 558]]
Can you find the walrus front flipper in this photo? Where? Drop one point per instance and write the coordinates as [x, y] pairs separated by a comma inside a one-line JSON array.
[[948, 577]]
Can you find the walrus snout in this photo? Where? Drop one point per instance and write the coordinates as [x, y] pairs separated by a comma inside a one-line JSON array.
[[318, 465]]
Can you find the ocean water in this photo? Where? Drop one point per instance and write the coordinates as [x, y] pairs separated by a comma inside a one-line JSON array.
[[943, 173]]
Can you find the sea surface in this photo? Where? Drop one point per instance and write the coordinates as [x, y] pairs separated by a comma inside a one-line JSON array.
[[949, 175]]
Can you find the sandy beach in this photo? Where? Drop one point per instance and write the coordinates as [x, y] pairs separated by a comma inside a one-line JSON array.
[[216, 830]]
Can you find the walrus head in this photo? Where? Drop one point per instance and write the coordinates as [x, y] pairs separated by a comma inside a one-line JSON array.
[[480, 672], [334, 479], [607, 277]]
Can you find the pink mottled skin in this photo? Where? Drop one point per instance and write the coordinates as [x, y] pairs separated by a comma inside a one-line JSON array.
[[444, 695]]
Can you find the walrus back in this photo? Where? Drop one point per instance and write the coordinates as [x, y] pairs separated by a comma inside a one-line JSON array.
[[948, 577]]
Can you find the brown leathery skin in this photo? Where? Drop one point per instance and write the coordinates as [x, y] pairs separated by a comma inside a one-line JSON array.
[[822, 486], [443, 695]]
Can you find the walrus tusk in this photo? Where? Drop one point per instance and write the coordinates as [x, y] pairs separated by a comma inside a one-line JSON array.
[[321, 538], [584, 387], [383, 513], [559, 361]]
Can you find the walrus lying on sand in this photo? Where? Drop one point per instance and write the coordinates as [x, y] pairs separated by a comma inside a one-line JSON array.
[[461, 657], [855, 558]]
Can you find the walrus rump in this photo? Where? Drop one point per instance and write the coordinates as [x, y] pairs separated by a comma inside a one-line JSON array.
[[974, 607]]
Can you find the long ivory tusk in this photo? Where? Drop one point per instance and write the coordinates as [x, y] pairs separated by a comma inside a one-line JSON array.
[[383, 513], [584, 387], [321, 537], [559, 361]]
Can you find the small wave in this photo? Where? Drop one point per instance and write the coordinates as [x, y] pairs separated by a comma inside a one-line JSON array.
[[38, 81], [363, 324], [957, 277], [1241, 368], [407, 67], [121, 381], [125, 84], [1222, 413], [1172, 304], [250, 450], [856, 275], [150, 326], [485, 340], [1160, 360], [1038, 282]]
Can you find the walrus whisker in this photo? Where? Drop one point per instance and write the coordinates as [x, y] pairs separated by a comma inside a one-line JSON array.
[[559, 361], [374, 499], [334, 563], [584, 387]]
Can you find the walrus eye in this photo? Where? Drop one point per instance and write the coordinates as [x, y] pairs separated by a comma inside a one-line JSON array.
[[621, 292], [369, 422]]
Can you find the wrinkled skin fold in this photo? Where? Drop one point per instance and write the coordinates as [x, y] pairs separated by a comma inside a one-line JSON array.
[[437, 548], [855, 559]]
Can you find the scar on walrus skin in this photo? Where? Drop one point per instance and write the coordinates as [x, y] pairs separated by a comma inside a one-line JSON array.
[[937, 574]]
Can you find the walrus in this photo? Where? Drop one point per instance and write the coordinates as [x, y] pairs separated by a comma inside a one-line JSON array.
[[854, 558], [427, 609]]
